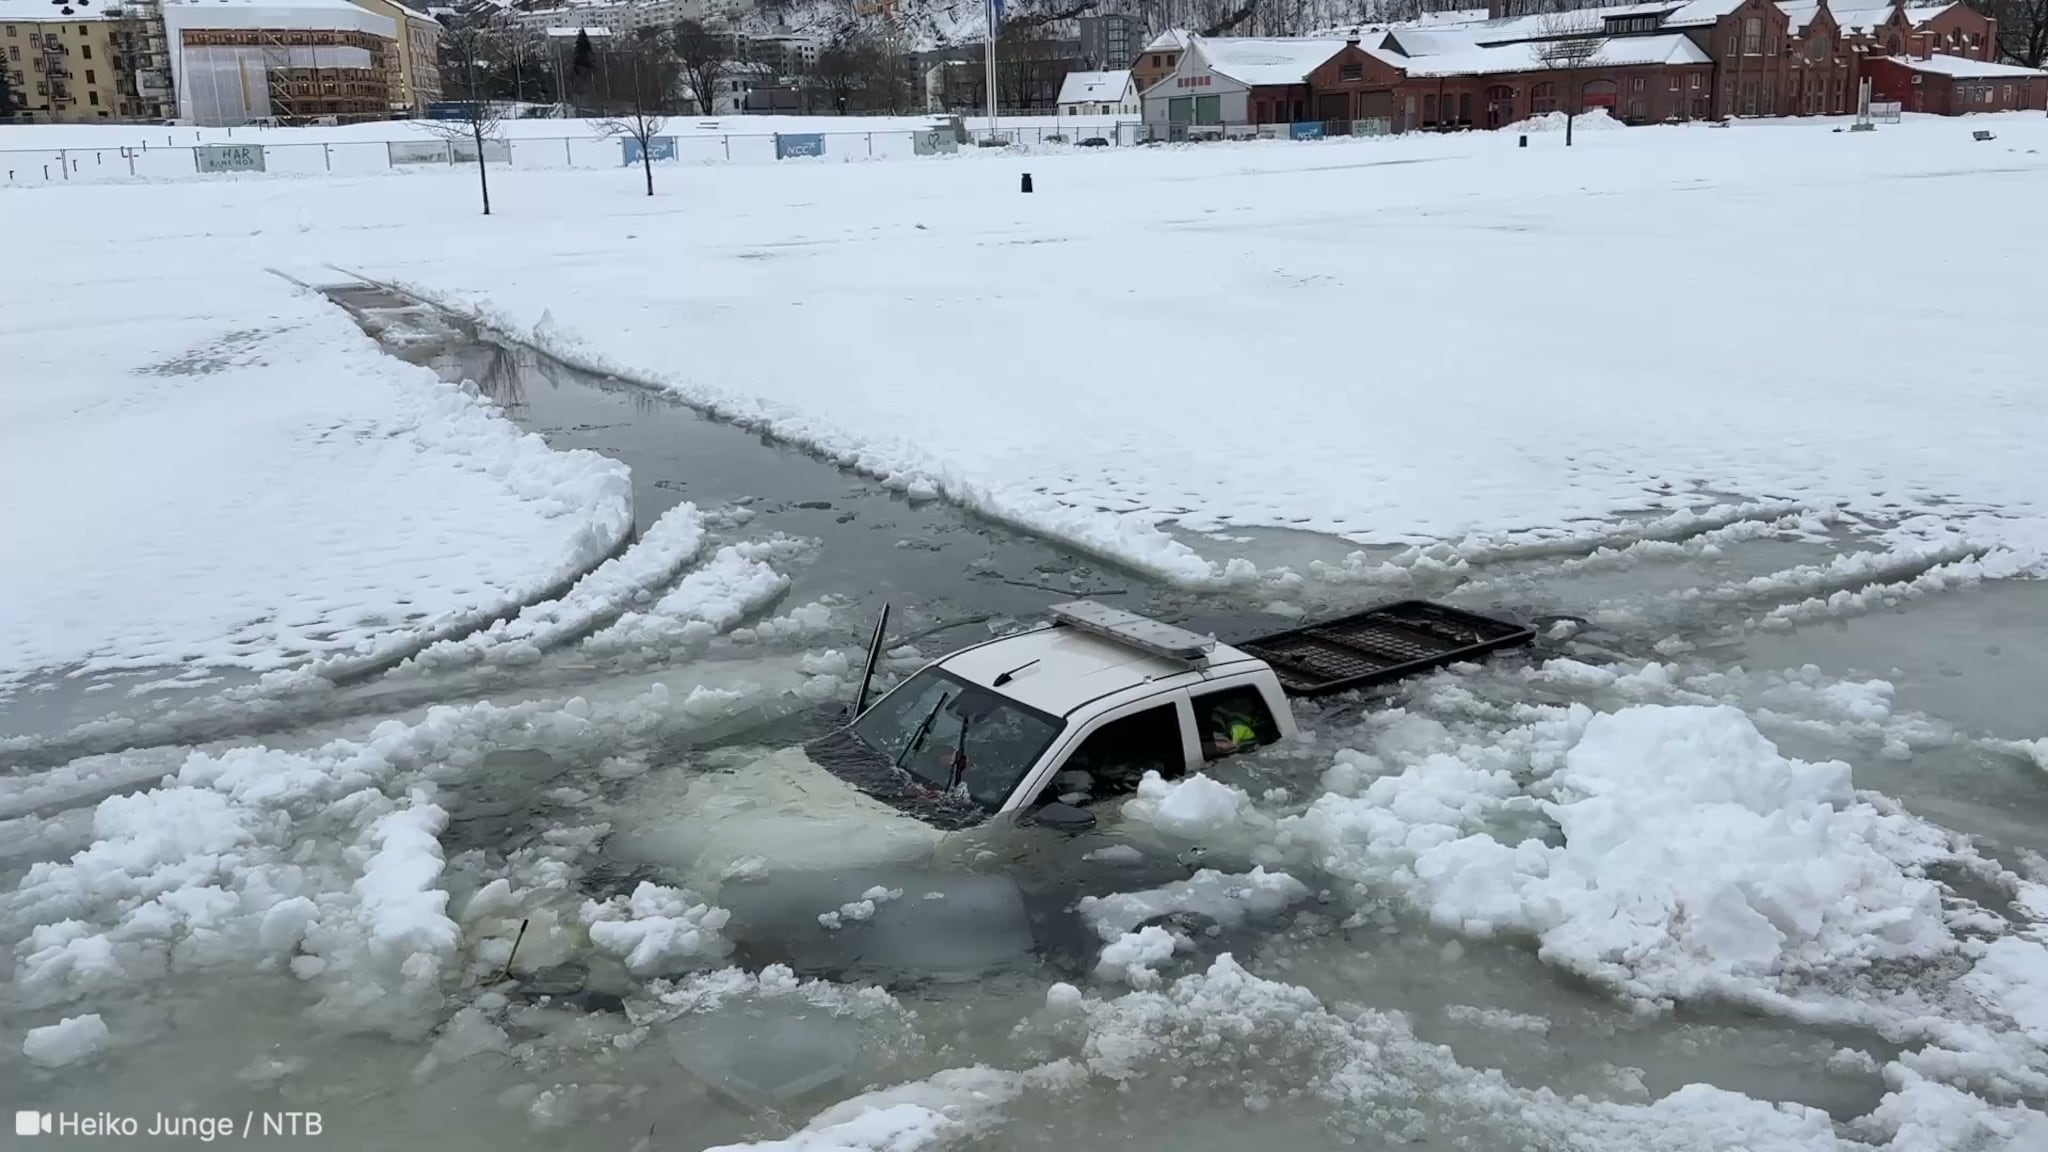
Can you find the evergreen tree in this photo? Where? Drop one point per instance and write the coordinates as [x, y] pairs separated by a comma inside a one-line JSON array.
[[10, 100], [584, 62]]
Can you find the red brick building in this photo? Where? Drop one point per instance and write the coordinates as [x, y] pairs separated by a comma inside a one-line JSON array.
[[1644, 63], [1953, 85], [1738, 58]]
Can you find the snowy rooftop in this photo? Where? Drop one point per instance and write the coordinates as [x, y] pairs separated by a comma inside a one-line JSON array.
[[1256, 61], [311, 14], [1094, 87], [1620, 51], [1968, 69], [1170, 40]]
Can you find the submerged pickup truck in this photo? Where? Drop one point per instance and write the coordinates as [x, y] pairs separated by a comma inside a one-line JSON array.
[[1037, 725]]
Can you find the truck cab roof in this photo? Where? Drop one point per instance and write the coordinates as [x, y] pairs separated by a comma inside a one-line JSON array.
[[1058, 670]]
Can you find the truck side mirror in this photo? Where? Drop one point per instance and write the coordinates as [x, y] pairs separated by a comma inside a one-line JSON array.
[[1062, 817]]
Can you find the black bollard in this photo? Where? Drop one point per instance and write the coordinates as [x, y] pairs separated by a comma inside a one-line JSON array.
[[1524, 143], [1027, 182]]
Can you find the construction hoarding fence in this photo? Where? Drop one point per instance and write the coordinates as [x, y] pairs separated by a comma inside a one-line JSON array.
[[495, 151], [658, 148], [228, 158], [405, 152], [794, 144], [935, 142]]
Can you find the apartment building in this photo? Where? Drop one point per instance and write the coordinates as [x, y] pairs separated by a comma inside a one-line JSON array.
[[419, 55], [73, 65]]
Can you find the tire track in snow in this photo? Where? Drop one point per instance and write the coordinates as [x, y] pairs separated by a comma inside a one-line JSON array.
[[602, 596], [736, 583]]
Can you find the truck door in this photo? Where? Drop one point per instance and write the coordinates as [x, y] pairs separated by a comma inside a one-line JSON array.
[[1109, 755]]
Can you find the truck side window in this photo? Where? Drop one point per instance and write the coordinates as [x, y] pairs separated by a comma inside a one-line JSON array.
[[1233, 720], [1118, 754]]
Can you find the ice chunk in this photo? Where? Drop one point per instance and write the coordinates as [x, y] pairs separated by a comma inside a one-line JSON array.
[[69, 1041], [1196, 808], [1227, 899], [2012, 978], [1133, 956], [768, 1053], [657, 929], [1692, 849]]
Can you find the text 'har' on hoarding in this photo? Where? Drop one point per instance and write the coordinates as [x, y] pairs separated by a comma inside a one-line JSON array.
[[229, 157], [658, 148], [789, 145]]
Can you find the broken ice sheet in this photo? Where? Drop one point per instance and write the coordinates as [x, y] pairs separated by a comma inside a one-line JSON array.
[[768, 1053]]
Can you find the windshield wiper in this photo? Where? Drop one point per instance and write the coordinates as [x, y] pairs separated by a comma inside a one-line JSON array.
[[924, 729], [959, 756]]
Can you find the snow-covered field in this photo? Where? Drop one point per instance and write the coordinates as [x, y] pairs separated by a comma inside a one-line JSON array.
[[1694, 390], [210, 469]]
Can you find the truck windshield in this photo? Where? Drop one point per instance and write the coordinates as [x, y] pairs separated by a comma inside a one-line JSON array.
[[952, 734]]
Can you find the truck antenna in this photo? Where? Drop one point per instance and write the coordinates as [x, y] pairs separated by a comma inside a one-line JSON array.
[[1006, 677]]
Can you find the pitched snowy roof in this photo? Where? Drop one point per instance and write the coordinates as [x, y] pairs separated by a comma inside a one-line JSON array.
[[1848, 14], [1094, 87], [1966, 69], [1701, 12], [1432, 41], [1617, 51], [316, 15], [1921, 14], [1173, 39], [1258, 61]]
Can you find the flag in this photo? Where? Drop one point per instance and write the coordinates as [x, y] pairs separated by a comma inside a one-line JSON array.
[[995, 18]]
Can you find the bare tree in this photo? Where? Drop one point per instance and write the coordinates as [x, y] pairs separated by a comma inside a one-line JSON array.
[[2022, 29], [707, 56], [469, 46], [1570, 53], [649, 82]]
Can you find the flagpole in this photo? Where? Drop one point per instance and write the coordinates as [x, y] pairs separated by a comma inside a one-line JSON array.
[[989, 59]]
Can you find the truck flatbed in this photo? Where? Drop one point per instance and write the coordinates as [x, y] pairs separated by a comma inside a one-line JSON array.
[[1380, 645]]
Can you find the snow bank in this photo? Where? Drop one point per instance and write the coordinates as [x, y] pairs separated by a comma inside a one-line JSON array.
[[734, 584], [657, 930], [671, 542], [1593, 119], [69, 1041], [1692, 851], [291, 492]]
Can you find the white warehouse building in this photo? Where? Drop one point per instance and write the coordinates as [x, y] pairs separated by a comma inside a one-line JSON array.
[[233, 61]]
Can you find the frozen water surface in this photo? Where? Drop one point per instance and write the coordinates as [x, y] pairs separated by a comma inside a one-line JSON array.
[[1747, 852], [1365, 1019]]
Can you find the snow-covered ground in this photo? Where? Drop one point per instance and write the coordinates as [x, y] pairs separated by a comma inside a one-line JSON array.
[[1347, 337], [209, 468], [1639, 890]]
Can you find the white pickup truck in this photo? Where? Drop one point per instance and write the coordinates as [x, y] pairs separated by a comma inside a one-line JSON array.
[[1037, 725]]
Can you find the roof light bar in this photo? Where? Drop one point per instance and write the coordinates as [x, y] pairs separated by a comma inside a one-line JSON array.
[[1140, 632]]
